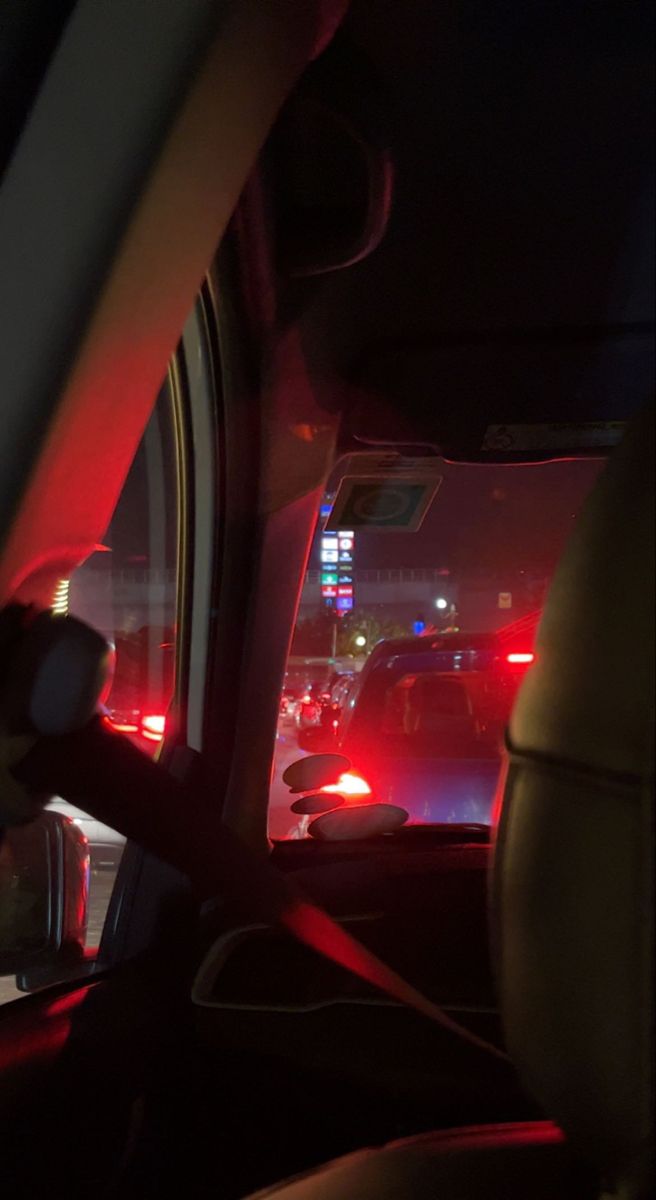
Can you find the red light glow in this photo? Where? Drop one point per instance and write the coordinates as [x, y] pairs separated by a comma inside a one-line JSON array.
[[525, 659], [348, 784], [152, 727], [66, 1004]]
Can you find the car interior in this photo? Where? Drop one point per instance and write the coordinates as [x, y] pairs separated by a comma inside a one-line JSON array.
[[249, 247]]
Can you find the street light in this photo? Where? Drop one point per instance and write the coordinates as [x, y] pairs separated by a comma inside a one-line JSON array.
[[441, 603], [360, 640]]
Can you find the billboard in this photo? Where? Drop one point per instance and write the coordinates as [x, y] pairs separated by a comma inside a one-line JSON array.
[[336, 553]]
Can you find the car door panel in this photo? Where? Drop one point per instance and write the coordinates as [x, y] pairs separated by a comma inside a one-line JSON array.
[[75, 1063]]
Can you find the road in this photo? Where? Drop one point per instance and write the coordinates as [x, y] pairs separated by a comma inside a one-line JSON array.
[[282, 822]]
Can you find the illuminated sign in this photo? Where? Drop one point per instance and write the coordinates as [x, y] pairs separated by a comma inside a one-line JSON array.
[[336, 556]]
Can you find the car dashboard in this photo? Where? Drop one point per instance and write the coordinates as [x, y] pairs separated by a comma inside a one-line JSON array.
[[419, 901]]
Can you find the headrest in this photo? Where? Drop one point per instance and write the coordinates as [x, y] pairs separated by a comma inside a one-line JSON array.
[[573, 886]]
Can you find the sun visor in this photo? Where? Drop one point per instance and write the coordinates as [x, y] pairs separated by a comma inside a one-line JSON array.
[[503, 400]]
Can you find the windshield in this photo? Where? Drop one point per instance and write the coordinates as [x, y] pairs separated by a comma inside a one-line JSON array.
[[410, 643]]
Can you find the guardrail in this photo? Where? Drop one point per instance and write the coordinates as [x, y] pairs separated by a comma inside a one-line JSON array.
[[389, 575]]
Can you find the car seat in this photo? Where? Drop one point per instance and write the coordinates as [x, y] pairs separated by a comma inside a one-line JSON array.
[[572, 892]]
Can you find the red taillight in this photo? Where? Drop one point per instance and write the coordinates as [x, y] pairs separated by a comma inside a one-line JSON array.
[[348, 784], [517, 659], [306, 699], [122, 728], [152, 727]]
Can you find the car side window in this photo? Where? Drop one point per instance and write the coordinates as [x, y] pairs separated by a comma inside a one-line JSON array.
[[127, 589]]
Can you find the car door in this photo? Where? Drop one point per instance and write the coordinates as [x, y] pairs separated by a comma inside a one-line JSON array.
[[125, 163]]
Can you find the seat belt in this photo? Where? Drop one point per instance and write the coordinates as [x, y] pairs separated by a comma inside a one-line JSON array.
[[108, 776]]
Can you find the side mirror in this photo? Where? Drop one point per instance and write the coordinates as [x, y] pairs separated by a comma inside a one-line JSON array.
[[44, 890], [318, 739]]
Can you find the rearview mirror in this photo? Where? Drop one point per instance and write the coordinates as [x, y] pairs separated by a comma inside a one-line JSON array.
[[44, 889]]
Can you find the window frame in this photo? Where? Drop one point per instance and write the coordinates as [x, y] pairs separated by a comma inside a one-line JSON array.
[[144, 886]]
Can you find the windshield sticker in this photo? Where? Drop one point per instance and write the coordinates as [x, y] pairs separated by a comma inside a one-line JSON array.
[[380, 504]]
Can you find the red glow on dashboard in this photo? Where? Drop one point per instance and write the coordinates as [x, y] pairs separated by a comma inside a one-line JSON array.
[[66, 1004]]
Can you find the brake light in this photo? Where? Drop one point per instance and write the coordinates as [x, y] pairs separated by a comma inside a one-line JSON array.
[[348, 784], [516, 659], [306, 699], [152, 727], [122, 728]]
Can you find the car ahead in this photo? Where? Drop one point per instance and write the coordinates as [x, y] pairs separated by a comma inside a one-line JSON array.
[[312, 703], [331, 703], [144, 728], [341, 687], [289, 702], [321, 703], [297, 689], [424, 724]]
